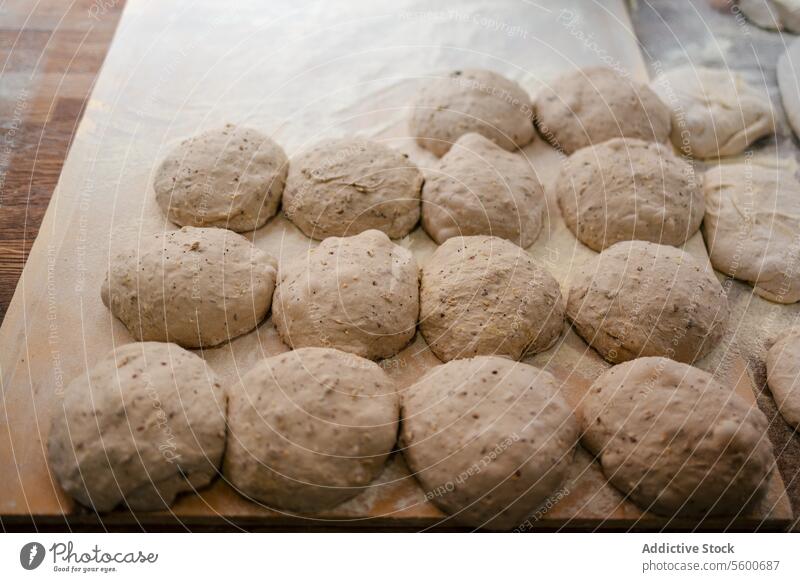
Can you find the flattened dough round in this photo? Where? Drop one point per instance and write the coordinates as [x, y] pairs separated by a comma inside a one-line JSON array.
[[590, 106], [310, 429], [230, 178], [642, 299], [783, 375], [489, 439], [472, 101], [194, 286], [342, 187], [629, 189], [675, 440], [483, 295], [478, 188], [145, 424], [359, 294]]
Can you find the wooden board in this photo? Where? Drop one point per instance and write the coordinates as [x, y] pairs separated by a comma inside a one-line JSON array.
[[175, 69]]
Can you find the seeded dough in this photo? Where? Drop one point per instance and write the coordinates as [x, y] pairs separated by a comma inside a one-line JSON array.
[[482, 295], [479, 188], [714, 112], [489, 439], [310, 429], [783, 375], [145, 424], [359, 294], [751, 225], [773, 14], [472, 101], [642, 299], [230, 178], [346, 186], [197, 287], [629, 189], [675, 440], [590, 106]]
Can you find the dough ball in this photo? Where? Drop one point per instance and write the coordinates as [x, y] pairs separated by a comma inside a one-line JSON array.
[[197, 287], [472, 101], [145, 424], [751, 226], [675, 440], [359, 294], [480, 188], [629, 189], [489, 439], [783, 373], [773, 14], [590, 106], [482, 295], [345, 186], [642, 299], [230, 178], [714, 112], [310, 429]]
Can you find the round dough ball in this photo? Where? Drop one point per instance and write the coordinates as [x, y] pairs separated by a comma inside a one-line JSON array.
[[489, 439], [629, 189], [675, 440], [359, 294], [230, 178], [783, 373], [343, 187], [642, 299], [310, 429], [145, 424], [482, 295], [714, 112], [773, 14], [475, 100], [480, 188], [751, 225], [590, 106], [197, 287]]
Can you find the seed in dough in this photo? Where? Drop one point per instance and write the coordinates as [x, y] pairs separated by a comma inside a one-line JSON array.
[[489, 439], [480, 188], [643, 299], [483, 295], [145, 424], [629, 189], [590, 106], [343, 187], [197, 287], [714, 112], [472, 101], [783, 375], [229, 178], [675, 440], [310, 429], [751, 225], [359, 294]]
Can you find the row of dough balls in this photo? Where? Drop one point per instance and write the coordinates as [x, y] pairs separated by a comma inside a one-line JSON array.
[[489, 440]]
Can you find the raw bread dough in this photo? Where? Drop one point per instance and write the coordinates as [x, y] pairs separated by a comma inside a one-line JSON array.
[[469, 101], [310, 429], [197, 287], [642, 299], [783, 375], [788, 71], [145, 424], [483, 295], [675, 440], [343, 187], [629, 189], [359, 294], [489, 439], [480, 188], [590, 106], [714, 112], [751, 227], [231, 178], [773, 14]]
